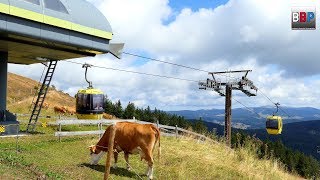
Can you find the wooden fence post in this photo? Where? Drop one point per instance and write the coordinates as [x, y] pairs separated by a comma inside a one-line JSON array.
[[59, 131], [176, 132], [157, 123], [17, 138], [100, 129], [110, 151]]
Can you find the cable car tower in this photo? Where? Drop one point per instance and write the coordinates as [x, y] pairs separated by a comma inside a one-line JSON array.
[[225, 89], [48, 31]]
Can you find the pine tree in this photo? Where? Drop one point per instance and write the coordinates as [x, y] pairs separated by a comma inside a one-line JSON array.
[[118, 109], [109, 107], [139, 114], [200, 127], [129, 112], [147, 115]]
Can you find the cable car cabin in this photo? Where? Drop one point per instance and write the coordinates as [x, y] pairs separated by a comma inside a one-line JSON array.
[[90, 104], [274, 125]]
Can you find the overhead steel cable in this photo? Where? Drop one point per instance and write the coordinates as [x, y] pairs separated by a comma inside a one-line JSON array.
[[274, 103], [249, 109], [135, 72], [173, 64], [165, 62]]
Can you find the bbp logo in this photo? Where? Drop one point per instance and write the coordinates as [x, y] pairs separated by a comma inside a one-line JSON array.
[[303, 18]]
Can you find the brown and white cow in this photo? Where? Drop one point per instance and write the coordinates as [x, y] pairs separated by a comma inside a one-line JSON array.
[[59, 110], [130, 138]]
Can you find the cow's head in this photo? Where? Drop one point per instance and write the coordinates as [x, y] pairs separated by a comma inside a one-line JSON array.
[[95, 154]]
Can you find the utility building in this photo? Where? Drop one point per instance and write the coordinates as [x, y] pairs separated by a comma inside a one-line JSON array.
[[47, 31]]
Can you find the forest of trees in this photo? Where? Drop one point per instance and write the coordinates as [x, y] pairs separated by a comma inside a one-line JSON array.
[[294, 161], [149, 115]]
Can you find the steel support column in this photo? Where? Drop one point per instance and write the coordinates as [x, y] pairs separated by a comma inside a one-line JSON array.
[[3, 80], [227, 127], [7, 119]]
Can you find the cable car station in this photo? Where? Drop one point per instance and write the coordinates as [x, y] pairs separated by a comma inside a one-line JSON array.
[[47, 31]]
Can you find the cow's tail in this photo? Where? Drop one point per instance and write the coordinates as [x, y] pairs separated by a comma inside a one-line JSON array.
[[157, 141]]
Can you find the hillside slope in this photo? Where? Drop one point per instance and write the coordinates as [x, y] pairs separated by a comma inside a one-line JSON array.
[[21, 91], [301, 136], [44, 156]]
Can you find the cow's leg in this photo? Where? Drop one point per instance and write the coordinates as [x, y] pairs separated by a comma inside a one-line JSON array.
[[149, 159], [115, 154], [150, 168], [126, 157]]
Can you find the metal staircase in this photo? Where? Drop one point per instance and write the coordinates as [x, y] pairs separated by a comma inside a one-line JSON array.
[[37, 106]]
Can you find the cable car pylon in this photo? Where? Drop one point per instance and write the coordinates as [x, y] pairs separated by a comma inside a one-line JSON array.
[[225, 89]]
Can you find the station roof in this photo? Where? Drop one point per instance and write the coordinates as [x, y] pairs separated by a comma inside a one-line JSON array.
[[33, 31], [76, 15]]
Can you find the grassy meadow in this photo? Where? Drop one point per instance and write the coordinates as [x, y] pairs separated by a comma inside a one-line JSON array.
[[42, 156]]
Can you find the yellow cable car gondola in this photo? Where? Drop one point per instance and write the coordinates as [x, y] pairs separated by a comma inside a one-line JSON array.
[[274, 123], [90, 101]]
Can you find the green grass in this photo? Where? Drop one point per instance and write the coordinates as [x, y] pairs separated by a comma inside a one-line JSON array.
[[42, 155]]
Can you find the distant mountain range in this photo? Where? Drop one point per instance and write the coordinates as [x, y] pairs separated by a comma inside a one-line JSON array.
[[244, 119], [302, 136]]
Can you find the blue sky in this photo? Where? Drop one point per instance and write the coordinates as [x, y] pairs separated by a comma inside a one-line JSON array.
[[177, 5], [194, 5]]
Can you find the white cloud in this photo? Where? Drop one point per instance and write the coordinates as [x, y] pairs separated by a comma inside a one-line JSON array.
[[248, 34], [232, 32], [243, 34]]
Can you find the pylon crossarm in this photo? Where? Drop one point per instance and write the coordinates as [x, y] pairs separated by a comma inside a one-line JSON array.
[[225, 89]]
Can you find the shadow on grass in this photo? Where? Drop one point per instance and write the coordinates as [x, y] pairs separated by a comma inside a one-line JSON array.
[[115, 171]]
